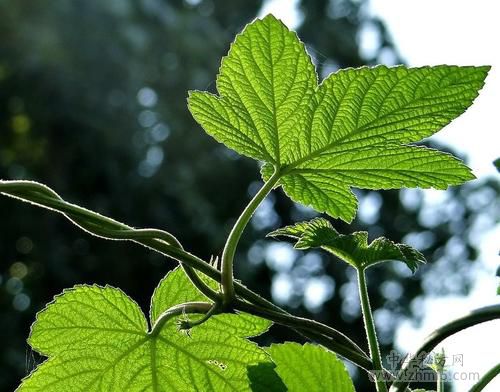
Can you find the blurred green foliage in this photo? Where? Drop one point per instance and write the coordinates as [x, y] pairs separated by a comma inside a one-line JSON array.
[[92, 103]]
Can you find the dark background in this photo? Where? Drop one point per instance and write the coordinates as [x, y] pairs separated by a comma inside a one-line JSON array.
[[93, 103]]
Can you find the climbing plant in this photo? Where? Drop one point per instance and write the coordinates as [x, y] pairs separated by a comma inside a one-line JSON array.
[[315, 140]]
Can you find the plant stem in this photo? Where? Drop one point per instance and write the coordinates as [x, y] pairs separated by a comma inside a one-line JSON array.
[[199, 283], [299, 323], [371, 334], [95, 223], [407, 373], [440, 381], [157, 240], [229, 251], [490, 375], [188, 324], [438, 365], [163, 243]]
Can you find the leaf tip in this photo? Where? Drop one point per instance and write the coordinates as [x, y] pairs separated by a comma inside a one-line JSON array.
[[193, 93], [496, 163], [485, 68], [273, 20], [269, 17], [469, 176]]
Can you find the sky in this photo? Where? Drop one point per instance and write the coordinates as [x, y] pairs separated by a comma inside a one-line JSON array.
[[458, 32], [432, 32]]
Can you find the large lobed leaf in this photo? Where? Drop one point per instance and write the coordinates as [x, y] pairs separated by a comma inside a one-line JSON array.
[[350, 131], [351, 248], [97, 339]]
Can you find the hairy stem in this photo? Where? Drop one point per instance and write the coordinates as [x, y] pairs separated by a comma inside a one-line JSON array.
[[229, 251], [200, 284], [485, 380], [371, 334], [299, 323], [316, 332], [95, 223], [177, 310], [313, 331], [164, 243], [407, 373]]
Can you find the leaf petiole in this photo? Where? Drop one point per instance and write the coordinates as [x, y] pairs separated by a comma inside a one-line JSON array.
[[227, 280], [188, 324], [177, 310]]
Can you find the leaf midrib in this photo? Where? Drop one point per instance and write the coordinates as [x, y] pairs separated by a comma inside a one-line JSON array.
[[275, 117]]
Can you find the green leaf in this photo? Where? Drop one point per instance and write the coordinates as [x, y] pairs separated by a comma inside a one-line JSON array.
[[352, 248], [496, 163], [97, 339], [263, 378], [352, 130], [266, 84], [310, 368]]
